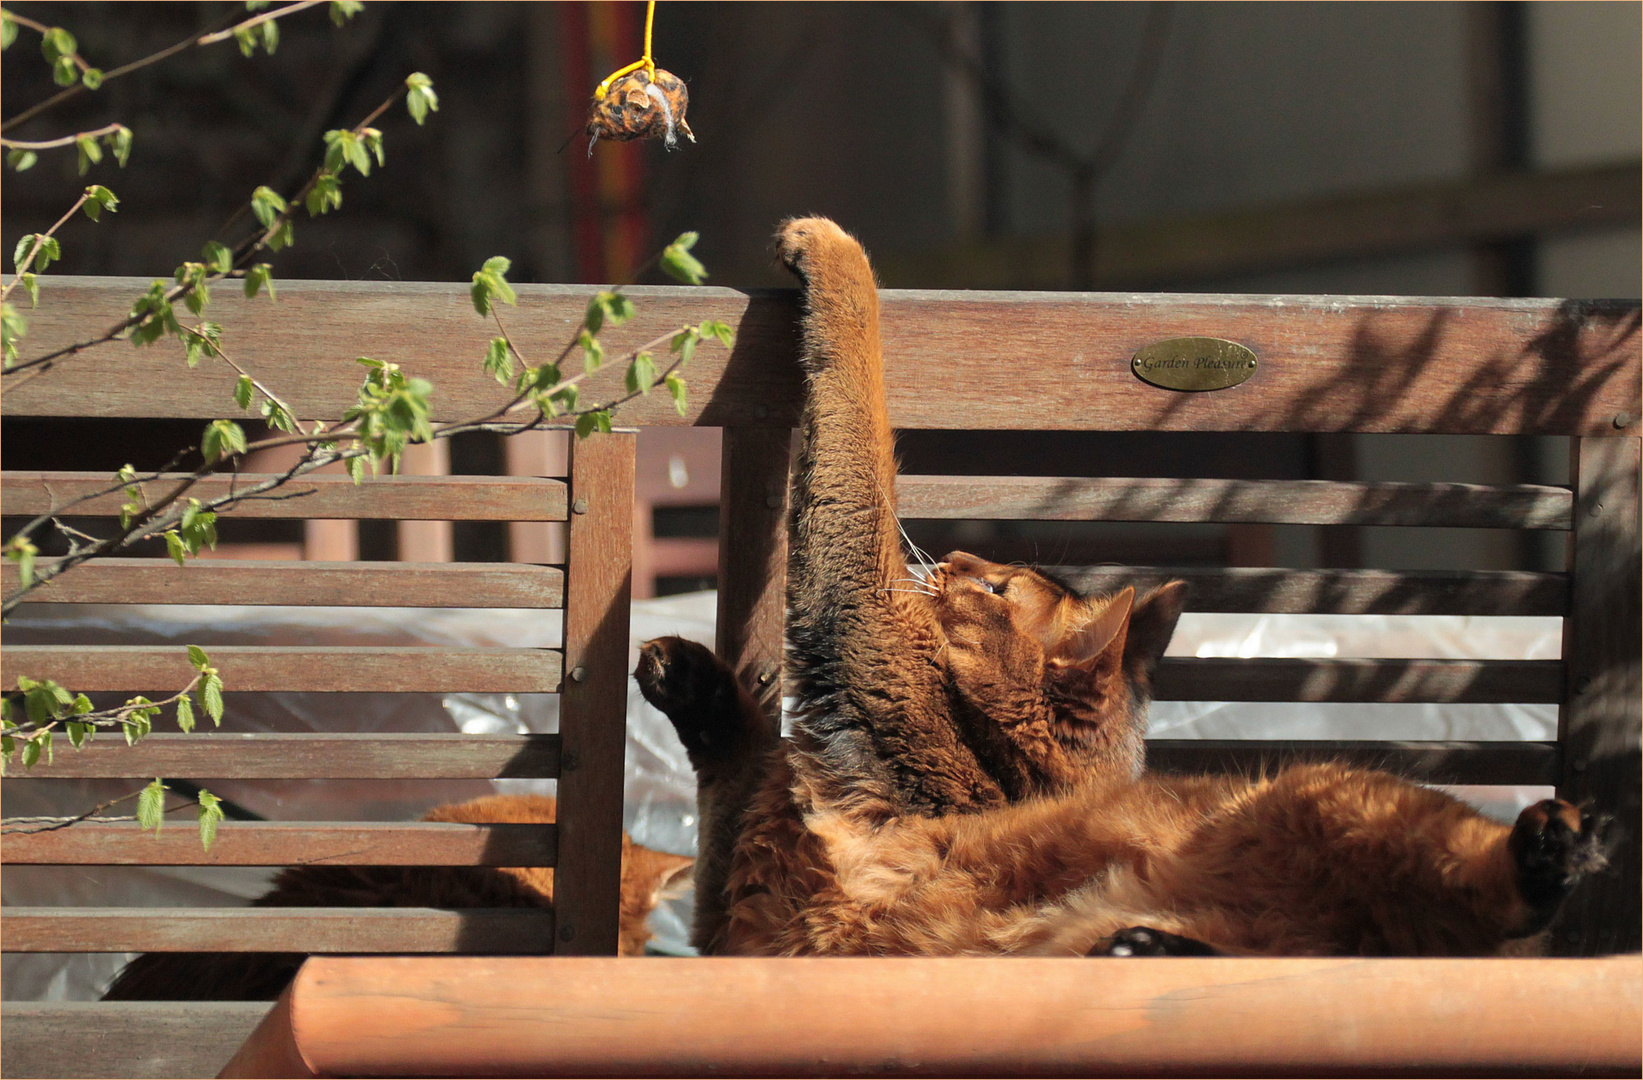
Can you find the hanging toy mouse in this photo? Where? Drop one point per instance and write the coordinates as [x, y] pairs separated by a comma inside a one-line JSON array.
[[640, 101], [642, 104]]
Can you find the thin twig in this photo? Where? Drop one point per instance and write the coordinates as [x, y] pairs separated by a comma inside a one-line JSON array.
[[39, 240], [267, 16], [66, 140], [224, 31], [243, 255]]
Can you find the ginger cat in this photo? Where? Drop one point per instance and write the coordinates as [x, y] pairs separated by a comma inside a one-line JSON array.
[[646, 877], [966, 773]]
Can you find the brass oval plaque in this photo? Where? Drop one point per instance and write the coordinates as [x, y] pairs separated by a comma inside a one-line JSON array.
[[1194, 363]]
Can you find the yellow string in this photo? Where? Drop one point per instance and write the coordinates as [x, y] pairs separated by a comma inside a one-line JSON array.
[[644, 61]]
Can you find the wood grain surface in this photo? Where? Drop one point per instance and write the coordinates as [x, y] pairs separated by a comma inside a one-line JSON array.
[[137, 1040], [489, 931], [400, 498], [1009, 1016], [347, 756], [593, 705], [282, 843], [1340, 592], [1300, 502], [398, 668], [268, 582], [953, 360]]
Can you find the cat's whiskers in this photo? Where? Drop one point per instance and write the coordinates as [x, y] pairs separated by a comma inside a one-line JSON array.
[[889, 508]]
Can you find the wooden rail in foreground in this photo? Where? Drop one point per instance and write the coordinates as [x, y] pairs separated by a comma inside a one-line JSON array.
[[1221, 1016]]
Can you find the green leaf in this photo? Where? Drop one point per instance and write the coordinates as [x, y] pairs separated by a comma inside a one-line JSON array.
[[56, 43], [278, 416], [8, 30], [247, 43], [120, 142], [22, 551], [267, 205], [31, 285], [715, 329], [210, 816], [343, 10], [185, 714], [222, 438], [356, 469], [338, 143], [217, 256], [684, 343], [499, 360], [175, 548], [282, 237], [21, 160], [676, 387], [78, 733], [420, 98], [98, 199], [80, 705], [593, 353], [31, 752], [324, 196], [197, 657], [8, 747], [260, 276], [90, 153], [64, 72], [585, 425], [641, 374], [270, 36], [211, 696], [679, 264], [92, 78], [373, 142], [151, 806], [243, 391]]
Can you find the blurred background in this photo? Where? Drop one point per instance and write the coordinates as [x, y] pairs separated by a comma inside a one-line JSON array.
[[1374, 148]]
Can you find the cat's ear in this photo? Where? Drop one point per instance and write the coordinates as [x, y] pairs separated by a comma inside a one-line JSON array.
[[673, 876], [1152, 624], [1101, 637]]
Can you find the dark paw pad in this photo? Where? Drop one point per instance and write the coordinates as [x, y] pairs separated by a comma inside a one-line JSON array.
[[1144, 941], [1555, 844], [696, 691]]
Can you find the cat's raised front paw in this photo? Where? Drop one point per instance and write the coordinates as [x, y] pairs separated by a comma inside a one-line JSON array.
[[1554, 845], [797, 241], [1145, 941]]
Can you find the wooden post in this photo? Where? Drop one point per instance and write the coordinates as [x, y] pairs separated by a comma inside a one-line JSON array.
[[1598, 724], [426, 541], [753, 559], [593, 698]]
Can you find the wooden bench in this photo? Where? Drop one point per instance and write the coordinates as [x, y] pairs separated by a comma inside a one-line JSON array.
[[982, 361]]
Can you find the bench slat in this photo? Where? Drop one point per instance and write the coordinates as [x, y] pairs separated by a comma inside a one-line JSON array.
[[1269, 679], [267, 582], [1431, 762], [406, 498], [133, 1039], [1341, 592], [1297, 502], [484, 931], [1327, 363], [354, 756], [402, 669], [262, 843]]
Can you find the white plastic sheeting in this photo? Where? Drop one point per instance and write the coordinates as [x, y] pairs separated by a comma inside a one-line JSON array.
[[660, 800]]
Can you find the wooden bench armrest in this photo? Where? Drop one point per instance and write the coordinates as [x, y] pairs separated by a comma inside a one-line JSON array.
[[995, 1016]]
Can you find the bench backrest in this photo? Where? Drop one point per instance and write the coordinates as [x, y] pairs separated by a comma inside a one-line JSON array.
[[1006, 361]]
